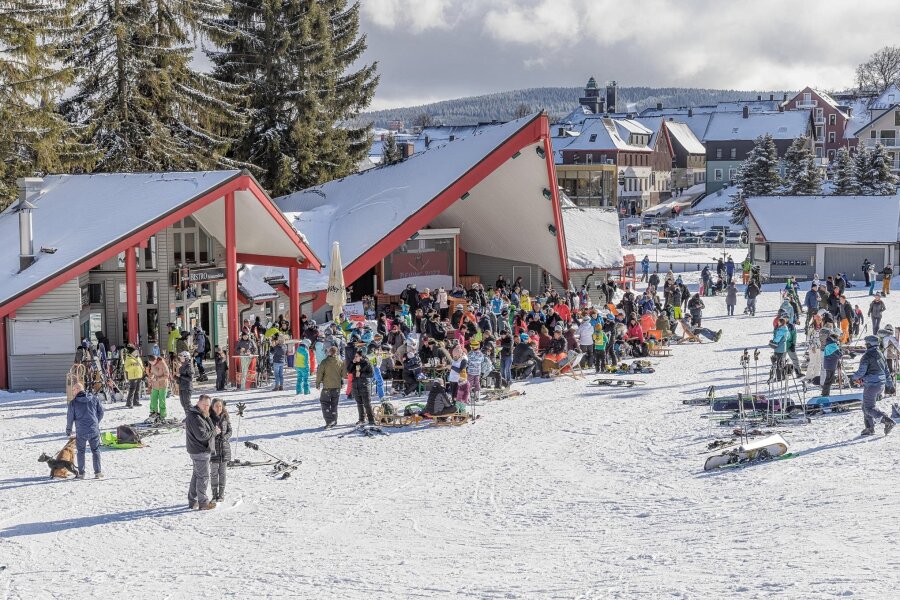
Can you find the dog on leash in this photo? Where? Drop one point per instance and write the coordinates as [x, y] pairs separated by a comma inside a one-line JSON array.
[[64, 463]]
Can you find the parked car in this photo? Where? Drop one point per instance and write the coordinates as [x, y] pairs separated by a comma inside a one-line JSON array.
[[712, 237], [736, 237], [689, 239]]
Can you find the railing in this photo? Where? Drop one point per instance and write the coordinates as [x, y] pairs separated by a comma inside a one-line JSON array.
[[886, 142], [807, 104]]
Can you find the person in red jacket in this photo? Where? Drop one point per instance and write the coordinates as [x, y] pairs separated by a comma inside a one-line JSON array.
[[634, 335]]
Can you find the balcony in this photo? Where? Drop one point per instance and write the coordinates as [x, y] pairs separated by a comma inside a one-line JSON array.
[[886, 142], [806, 103]]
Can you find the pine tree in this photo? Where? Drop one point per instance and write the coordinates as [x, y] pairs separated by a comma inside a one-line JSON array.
[[391, 153], [801, 176], [845, 183], [292, 59], [137, 100], [757, 176], [862, 171], [34, 139], [881, 180]]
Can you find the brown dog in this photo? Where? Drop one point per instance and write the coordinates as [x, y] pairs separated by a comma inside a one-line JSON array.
[[64, 463]]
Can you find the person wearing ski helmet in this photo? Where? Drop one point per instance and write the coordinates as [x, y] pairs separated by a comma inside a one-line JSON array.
[[875, 378]]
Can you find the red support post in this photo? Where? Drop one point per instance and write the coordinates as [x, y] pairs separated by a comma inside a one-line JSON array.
[[4, 377], [294, 285], [231, 282], [131, 295]]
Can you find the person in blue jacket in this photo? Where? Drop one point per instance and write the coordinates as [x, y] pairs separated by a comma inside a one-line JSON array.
[[729, 269], [779, 344], [831, 358], [811, 303], [85, 413], [874, 375], [645, 268]]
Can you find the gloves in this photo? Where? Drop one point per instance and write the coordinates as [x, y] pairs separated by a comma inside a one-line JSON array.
[[68, 433]]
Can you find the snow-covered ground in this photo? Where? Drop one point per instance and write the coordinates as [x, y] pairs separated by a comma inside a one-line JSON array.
[[675, 254], [570, 491]]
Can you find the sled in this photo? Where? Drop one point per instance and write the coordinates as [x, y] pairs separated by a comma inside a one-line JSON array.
[[453, 419], [500, 394], [618, 383], [394, 419], [766, 448], [612, 308]]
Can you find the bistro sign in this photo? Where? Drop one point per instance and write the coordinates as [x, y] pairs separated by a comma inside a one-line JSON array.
[[201, 275]]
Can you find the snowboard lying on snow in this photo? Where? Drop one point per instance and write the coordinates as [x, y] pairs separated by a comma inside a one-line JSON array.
[[767, 448], [835, 403]]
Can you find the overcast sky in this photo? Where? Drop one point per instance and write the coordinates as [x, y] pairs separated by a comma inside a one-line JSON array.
[[437, 49]]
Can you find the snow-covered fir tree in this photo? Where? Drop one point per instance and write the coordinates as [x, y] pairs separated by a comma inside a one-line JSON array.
[[845, 183], [801, 176], [881, 181], [136, 98], [861, 171], [294, 61], [34, 138], [391, 152], [757, 176]]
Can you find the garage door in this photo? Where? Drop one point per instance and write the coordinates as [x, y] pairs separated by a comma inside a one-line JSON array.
[[50, 336], [850, 260]]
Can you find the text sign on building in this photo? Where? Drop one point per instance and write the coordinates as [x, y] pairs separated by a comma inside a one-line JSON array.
[[202, 275]]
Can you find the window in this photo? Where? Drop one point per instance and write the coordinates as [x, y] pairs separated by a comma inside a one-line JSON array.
[[719, 153], [733, 153], [807, 97], [123, 295], [150, 254], [872, 134], [717, 175], [95, 293], [593, 137], [818, 132], [818, 151], [151, 292], [588, 160], [897, 118], [152, 326], [830, 137], [732, 173], [831, 155], [832, 119]]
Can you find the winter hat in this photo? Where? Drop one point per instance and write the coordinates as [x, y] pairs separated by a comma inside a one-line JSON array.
[[523, 337], [474, 345], [871, 340], [598, 327], [557, 329], [184, 354]]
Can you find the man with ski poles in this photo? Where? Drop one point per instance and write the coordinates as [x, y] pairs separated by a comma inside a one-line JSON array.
[[874, 376]]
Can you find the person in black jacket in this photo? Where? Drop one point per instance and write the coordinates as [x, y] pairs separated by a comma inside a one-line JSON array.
[[506, 349], [412, 371], [362, 372], [185, 381], [696, 306], [221, 450], [752, 293], [524, 358], [199, 432]]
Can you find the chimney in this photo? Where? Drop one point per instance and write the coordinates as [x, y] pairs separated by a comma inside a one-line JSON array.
[[746, 112], [781, 108], [452, 137], [562, 132], [29, 189], [849, 111], [771, 97], [659, 106], [759, 97], [690, 112], [785, 97]]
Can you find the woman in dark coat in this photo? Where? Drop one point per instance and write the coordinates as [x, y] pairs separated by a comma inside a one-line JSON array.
[[220, 447]]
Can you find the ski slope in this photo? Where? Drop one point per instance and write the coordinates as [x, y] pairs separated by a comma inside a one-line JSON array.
[[567, 492]]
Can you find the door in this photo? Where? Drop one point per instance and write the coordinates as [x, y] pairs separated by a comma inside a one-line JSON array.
[[850, 260], [524, 272]]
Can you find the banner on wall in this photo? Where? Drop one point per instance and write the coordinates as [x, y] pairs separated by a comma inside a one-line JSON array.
[[419, 264], [354, 309]]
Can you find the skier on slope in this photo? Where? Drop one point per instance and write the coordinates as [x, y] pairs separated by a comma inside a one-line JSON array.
[[875, 377]]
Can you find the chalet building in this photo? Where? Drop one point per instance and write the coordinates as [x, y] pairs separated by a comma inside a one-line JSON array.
[[884, 129], [730, 136], [689, 165], [829, 120]]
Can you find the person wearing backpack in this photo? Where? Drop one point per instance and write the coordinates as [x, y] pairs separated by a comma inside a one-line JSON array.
[[134, 373], [221, 448]]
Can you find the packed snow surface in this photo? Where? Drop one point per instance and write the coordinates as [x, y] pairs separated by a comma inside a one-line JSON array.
[[675, 254], [570, 491]]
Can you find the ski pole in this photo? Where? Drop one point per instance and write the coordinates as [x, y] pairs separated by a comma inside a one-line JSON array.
[[256, 447], [240, 410]]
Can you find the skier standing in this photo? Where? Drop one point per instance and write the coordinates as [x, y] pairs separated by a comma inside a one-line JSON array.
[[134, 373], [874, 375], [221, 448], [85, 413], [329, 377], [886, 274], [185, 381], [301, 367], [876, 311], [811, 303], [199, 431]]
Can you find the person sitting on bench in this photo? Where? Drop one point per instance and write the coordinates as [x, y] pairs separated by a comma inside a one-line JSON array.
[[412, 372], [439, 401], [525, 361], [556, 357]]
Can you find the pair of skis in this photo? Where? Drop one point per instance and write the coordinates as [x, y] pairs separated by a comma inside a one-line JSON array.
[[281, 469], [366, 431]]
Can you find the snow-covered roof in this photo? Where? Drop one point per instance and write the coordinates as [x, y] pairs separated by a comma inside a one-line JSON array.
[[859, 116], [787, 125], [815, 219], [592, 238], [577, 115], [363, 209], [887, 98], [253, 285], [601, 133], [683, 134], [754, 106]]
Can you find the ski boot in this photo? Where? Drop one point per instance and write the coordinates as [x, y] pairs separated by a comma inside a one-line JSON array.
[[888, 424], [718, 336], [867, 432]]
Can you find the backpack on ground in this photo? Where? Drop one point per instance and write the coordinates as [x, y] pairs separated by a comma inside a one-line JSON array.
[[126, 434]]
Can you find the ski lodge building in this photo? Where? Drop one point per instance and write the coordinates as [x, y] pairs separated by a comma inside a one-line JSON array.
[[125, 254]]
